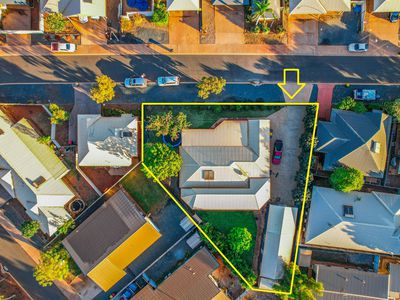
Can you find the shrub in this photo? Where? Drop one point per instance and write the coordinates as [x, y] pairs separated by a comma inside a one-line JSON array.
[[55, 22], [65, 228], [58, 115], [103, 90], [30, 228], [46, 139], [209, 85], [126, 25], [346, 179], [160, 15], [392, 108], [239, 240], [349, 103]]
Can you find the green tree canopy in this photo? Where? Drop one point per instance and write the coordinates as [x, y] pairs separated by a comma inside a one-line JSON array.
[[168, 124], [58, 115], [209, 85], [239, 240], [348, 103], [160, 14], [103, 90], [304, 287], [392, 108], [30, 228], [55, 22], [346, 179], [161, 161]]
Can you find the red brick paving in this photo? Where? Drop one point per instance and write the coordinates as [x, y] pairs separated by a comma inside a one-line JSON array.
[[325, 93]]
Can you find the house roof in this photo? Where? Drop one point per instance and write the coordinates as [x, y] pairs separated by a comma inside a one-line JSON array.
[[349, 139], [236, 155], [341, 283], [386, 6], [90, 8], [183, 5], [100, 140], [373, 228], [318, 6], [278, 243], [32, 173], [110, 239], [230, 2], [190, 281]]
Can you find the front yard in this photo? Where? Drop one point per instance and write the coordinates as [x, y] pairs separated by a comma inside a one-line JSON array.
[[147, 193]]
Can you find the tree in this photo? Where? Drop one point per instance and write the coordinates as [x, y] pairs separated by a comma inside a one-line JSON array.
[[346, 179], [54, 265], [209, 85], [239, 240], [218, 238], [55, 22], [349, 103], [103, 90], [29, 228], [58, 115], [304, 287], [65, 228], [160, 14], [392, 108], [168, 124], [162, 161], [260, 9]]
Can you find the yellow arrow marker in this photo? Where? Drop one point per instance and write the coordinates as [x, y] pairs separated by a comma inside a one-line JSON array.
[[283, 84]]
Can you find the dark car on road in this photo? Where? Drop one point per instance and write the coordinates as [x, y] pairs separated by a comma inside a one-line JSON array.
[[277, 155]]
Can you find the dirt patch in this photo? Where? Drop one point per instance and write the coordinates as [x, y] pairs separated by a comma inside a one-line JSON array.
[[207, 31], [10, 289], [102, 178], [226, 280]]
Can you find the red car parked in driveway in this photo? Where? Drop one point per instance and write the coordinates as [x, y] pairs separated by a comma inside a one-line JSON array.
[[277, 155]]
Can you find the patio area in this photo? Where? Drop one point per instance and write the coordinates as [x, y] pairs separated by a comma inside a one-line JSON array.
[[184, 27]]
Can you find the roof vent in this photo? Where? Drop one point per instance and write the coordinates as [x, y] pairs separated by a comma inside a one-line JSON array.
[[38, 181], [376, 147], [126, 133], [348, 211], [208, 174]]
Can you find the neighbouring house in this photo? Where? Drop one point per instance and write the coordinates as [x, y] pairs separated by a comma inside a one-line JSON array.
[[278, 244], [226, 167], [110, 239], [230, 2], [32, 173], [317, 7], [382, 6], [107, 141], [357, 140], [193, 280], [183, 5], [78, 8], [356, 221]]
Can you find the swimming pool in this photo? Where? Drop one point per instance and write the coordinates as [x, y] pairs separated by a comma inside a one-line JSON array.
[[140, 5]]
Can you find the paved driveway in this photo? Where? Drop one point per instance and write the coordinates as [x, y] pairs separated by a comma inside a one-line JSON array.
[[287, 125]]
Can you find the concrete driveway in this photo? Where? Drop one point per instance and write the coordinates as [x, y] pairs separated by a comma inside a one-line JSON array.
[[287, 125]]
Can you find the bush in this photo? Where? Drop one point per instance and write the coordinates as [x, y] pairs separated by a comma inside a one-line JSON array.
[[346, 179], [349, 103], [160, 15], [55, 22], [58, 115], [30, 228], [239, 240], [392, 108], [65, 228], [210, 85], [46, 140], [126, 25], [103, 91]]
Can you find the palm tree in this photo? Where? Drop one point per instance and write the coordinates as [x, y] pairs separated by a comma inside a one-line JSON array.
[[261, 8]]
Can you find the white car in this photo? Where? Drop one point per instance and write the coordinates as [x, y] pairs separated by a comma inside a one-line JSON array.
[[168, 80], [62, 47], [358, 47], [138, 82]]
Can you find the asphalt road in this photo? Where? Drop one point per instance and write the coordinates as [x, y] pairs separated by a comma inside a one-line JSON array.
[[21, 266], [235, 68]]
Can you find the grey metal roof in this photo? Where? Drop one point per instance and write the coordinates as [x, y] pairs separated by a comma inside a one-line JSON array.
[[394, 278], [103, 231], [348, 137], [341, 283]]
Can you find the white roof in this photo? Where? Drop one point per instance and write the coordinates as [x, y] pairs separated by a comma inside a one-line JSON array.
[[318, 6], [183, 5], [278, 243], [237, 154], [23, 160], [101, 140], [374, 228], [91, 8], [386, 6]]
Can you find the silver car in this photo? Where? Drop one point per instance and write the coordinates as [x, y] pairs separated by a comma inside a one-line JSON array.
[[138, 82], [168, 80], [358, 47]]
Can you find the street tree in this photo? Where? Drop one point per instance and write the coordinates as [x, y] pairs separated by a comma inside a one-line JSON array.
[[346, 179], [103, 90], [30, 228], [210, 85]]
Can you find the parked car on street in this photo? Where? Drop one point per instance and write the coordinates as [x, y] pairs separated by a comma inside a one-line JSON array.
[[137, 82], [358, 47], [277, 155], [394, 17], [168, 80], [62, 47], [366, 95]]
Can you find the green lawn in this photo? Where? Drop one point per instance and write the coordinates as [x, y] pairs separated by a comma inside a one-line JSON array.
[[147, 193], [226, 220]]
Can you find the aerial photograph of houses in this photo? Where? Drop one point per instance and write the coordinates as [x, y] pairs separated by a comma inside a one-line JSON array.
[[200, 149]]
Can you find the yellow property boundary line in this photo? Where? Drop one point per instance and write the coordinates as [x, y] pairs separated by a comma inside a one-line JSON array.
[[190, 217]]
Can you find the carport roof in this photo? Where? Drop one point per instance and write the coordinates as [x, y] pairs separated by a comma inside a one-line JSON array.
[[230, 2], [386, 5], [183, 5]]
